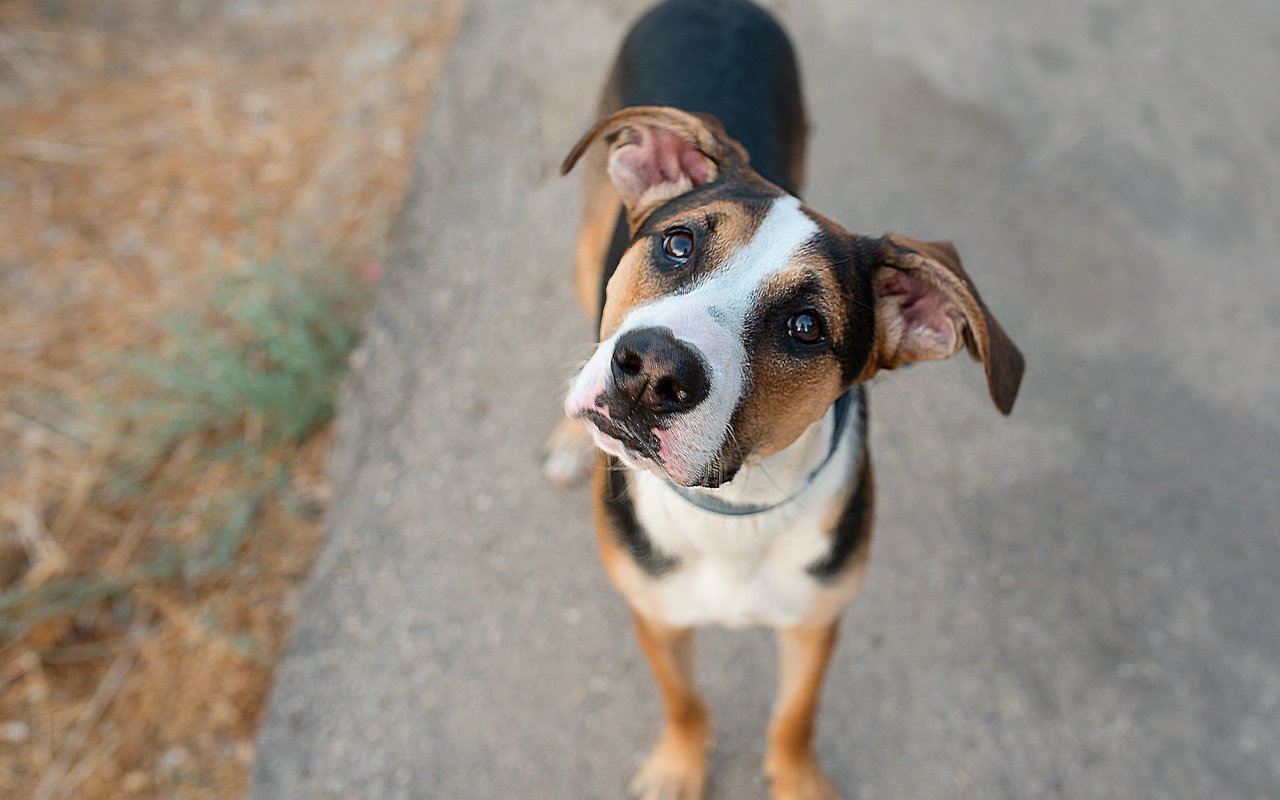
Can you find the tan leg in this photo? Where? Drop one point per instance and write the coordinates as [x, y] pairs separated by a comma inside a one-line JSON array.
[[677, 767], [803, 655]]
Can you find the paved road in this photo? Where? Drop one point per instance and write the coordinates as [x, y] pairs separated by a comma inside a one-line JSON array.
[[1077, 602]]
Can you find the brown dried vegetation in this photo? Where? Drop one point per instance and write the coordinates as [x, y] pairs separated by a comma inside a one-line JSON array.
[[150, 151]]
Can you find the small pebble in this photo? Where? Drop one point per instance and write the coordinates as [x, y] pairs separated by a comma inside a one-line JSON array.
[[15, 732], [172, 759]]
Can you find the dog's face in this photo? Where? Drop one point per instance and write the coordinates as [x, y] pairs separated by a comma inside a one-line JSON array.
[[737, 316]]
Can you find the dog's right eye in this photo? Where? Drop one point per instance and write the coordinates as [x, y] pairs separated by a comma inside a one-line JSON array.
[[677, 245], [806, 327]]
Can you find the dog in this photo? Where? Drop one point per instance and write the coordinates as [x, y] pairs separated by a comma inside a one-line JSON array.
[[737, 329]]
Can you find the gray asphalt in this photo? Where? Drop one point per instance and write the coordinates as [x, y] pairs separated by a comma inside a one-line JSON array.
[[1079, 601]]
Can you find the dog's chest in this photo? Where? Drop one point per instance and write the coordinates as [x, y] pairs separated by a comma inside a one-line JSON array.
[[731, 571]]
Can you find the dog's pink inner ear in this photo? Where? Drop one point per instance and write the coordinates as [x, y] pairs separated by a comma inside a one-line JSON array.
[[927, 309], [650, 163], [929, 320]]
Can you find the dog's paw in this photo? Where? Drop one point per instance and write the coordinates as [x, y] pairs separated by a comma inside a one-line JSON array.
[[799, 780], [570, 454], [676, 770]]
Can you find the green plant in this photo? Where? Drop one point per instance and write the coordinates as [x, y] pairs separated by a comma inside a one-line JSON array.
[[260, 369], [240, 385]]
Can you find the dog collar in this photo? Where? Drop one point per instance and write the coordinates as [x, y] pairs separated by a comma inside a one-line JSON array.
[[715, 505]]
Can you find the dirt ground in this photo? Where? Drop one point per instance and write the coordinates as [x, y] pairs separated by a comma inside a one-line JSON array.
[[149, 149]]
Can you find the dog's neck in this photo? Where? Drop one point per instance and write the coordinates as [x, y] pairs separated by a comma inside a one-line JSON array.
[[775, 479]]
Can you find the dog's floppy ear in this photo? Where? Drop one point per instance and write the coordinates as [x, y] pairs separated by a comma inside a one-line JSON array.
[[657, 153], [927, 307]]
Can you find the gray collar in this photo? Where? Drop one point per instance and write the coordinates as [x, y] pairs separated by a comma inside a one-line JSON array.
[[715, 505]]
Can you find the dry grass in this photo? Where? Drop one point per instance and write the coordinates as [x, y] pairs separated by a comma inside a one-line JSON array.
[[152, 152]]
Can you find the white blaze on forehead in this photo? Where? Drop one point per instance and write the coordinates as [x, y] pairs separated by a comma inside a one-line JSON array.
[[733, 289], [725, 298], [711, 317]]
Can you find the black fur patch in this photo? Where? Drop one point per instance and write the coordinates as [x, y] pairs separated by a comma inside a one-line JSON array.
[[643, 441], [727, 58], [626, 529], [851, 259], [855, 521]]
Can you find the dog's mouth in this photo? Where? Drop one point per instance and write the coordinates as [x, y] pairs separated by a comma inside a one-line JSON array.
[[642, 451], [620, 440]]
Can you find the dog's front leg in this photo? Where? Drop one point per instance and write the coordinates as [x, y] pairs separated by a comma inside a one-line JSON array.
[[803, 655], [570, 453], [677, 767]]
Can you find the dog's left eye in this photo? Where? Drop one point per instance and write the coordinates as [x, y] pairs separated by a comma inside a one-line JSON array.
[[806, 327], [677, 245]]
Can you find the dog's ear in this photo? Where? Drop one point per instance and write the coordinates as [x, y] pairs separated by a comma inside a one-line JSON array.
[[927, 307], [657, 153]]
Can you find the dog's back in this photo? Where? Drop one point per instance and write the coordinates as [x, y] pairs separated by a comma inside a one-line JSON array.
[[728, 58]]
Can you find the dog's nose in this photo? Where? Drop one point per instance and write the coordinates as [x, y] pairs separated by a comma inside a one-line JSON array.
[[657, 372]]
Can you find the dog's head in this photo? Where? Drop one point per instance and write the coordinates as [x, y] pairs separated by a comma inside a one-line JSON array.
[[737, 316]]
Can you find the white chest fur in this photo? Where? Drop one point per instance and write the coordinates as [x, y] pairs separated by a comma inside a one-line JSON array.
[[747, 570]]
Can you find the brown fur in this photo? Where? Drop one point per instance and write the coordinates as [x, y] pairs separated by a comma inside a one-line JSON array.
[[600, 208], [677, 767], [788, 395], [803, 655]]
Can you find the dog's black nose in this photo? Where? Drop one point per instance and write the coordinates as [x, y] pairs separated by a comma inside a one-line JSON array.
[[656, 372]]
